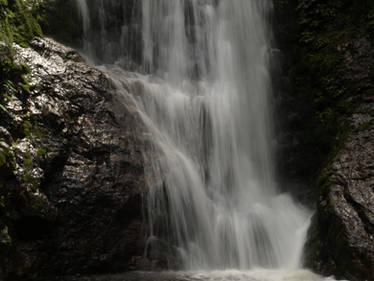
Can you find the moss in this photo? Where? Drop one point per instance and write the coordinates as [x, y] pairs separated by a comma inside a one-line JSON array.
[[28, 179], [2, 158], [27, 128], [38, 204], [27, 161], [4, 109], [32, 128], [22, 20], [6, 159], [42, 152], [4, 236], [17, 22], [25, 87], [364, 126], [19, 190], [324, 176], [12, 81], [338, 142], [31, 182]]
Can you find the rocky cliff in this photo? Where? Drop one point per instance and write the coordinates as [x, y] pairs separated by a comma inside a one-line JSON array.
[[342, 233], [327, 84], [71, 155]]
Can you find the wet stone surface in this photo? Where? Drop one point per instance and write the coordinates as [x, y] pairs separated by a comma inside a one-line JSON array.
[[81, 160], [343, 228]]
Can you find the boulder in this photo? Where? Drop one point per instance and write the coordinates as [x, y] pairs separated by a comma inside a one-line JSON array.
[[341, 238], [79, 163]]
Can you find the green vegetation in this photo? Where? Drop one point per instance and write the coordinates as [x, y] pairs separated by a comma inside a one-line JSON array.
[[17, 25], [21, 170], [21, 21], [364, 126], [17, 22]]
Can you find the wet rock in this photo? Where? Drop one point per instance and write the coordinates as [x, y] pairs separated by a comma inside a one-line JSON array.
[[330, 138], [81, 167], [342, 233]]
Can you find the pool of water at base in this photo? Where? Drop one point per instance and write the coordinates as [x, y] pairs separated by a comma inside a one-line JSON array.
[[219, 275]]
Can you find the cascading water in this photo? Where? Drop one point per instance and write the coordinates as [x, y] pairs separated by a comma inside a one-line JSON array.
[[204, 91]]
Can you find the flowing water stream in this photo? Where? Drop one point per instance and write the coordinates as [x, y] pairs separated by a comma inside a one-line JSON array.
[[201, 69]]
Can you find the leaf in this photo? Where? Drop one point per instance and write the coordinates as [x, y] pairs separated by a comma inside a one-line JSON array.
[[3, 108]]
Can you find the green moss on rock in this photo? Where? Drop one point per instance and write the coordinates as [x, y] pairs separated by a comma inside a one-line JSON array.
[[364, 126], [17, 22]]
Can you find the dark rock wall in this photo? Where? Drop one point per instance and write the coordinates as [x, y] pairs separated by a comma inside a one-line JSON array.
[[297, 130], [79, 170], [59, 19], [327, 94], [342, 233]]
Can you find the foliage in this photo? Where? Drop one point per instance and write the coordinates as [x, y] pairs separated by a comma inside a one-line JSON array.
[[17, 25], [17, 22]]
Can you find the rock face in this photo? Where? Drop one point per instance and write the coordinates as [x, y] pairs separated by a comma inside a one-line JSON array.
[[342, 233], [81, 162], [327, 100]]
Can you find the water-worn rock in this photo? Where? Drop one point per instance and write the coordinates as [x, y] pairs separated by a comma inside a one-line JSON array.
[[81, 159], [342, 233]]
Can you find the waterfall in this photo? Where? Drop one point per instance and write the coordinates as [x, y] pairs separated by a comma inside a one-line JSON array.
[[201, 69]]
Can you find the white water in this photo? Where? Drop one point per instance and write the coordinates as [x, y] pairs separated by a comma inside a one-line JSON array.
[[224, 275], [205, 95], [253, 275]]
